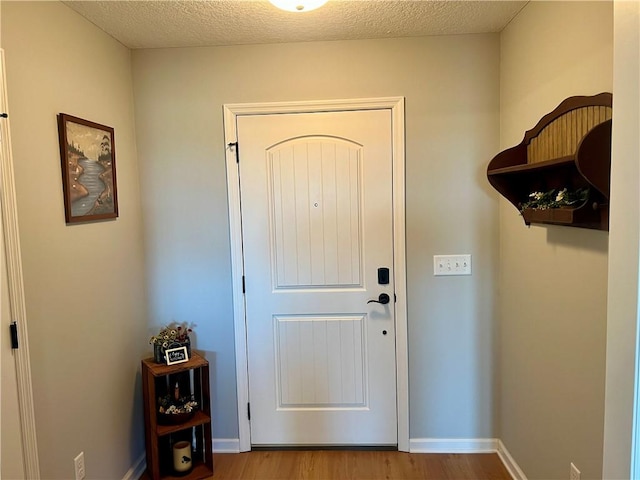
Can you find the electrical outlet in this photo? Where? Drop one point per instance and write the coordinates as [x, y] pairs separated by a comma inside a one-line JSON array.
[[574, 473], [452, 265], [78, 463]]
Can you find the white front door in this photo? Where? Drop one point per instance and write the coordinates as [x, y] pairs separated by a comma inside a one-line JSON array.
[[317, 224]]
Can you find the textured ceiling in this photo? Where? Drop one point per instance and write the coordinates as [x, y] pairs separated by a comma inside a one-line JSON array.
[[182, 23]]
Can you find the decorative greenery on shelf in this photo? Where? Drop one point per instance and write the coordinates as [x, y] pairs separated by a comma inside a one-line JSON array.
[[169, 406], [174, 403], [555, 199]]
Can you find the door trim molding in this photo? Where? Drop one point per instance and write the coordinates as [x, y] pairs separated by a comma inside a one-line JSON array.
[[15, 281], [396, 106]]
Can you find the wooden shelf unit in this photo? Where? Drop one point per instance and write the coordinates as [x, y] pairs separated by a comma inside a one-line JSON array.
[[568, 148], [159, 438]]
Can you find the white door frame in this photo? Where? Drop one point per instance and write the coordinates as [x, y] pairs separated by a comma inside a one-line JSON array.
[[16, 288], [396, 106]]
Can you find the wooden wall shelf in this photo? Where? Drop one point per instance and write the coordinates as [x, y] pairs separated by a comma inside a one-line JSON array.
[[568, 148]]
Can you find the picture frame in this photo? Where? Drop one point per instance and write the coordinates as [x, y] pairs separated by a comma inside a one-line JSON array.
[[176, 355], [87, 154]]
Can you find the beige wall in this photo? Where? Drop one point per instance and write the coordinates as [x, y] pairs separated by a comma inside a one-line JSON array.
[[553, 280], [84, 284], [549, 396], [451, 89]]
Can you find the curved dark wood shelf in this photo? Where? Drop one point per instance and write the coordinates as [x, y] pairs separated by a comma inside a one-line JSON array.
[[528, 167], [568, 148], [585, 216]]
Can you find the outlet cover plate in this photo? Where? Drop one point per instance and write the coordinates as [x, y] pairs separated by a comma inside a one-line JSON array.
[[452, 264], [78, 463], [574, 473]]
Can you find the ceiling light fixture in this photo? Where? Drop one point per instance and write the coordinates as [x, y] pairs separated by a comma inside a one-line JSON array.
[[298, 5]]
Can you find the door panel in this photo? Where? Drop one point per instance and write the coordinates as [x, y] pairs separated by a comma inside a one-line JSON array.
[[320, 361], [316, 194], [315, 202]]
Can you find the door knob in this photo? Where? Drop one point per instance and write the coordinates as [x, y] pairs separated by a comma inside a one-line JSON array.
[[383, 298]]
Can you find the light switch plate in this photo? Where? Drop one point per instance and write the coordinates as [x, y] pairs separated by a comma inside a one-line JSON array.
[[452, 264]]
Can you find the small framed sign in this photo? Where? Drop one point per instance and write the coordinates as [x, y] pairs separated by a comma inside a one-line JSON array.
[[176, 355]]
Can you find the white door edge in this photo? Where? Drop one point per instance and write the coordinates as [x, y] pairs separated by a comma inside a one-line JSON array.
[[396, 106], [16, 289]]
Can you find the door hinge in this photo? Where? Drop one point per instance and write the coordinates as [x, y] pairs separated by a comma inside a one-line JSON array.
[[237, 150], [4, 115], [14, 335], [395, 299], [244, 287], [248, 411]]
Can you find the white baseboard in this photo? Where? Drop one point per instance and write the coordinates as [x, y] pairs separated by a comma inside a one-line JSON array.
[[468, 445], [509, 463], [226, 445], [416, 445], [453, 445], [137, 470]]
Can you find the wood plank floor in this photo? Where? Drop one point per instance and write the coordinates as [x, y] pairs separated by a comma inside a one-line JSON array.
[[356, 465]]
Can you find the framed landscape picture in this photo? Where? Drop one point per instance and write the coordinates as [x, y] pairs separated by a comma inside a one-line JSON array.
[[87, 152]]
